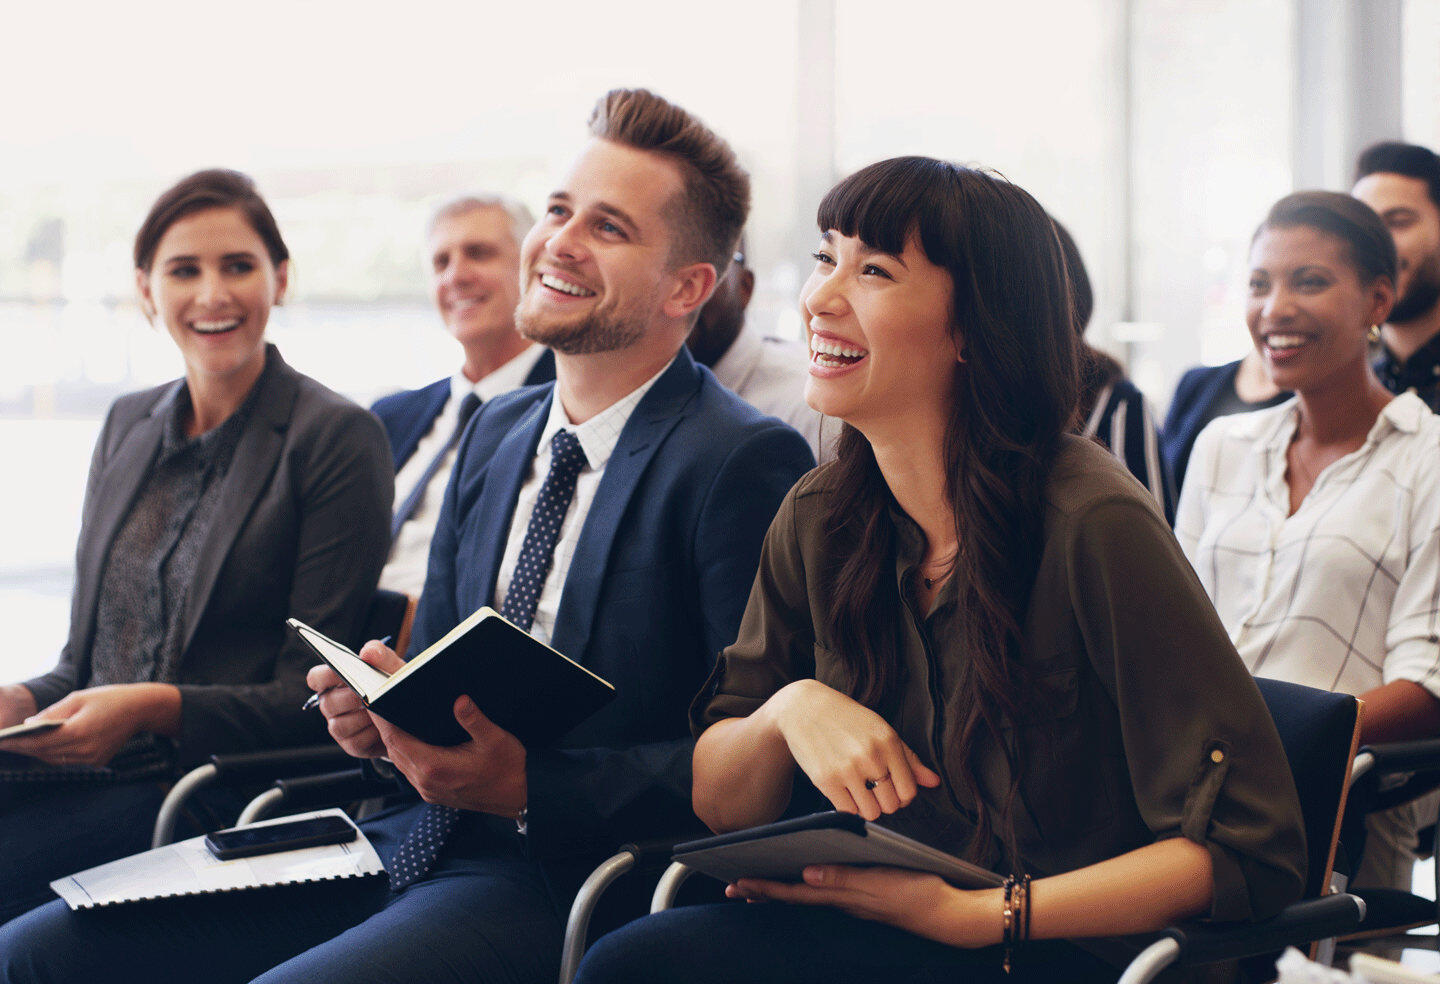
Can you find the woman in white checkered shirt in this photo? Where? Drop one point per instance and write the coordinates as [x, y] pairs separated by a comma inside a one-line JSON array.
[[1313, 525]]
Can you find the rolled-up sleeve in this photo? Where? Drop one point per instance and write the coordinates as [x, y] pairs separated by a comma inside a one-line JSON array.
[[1204, 758], [1412, 637]]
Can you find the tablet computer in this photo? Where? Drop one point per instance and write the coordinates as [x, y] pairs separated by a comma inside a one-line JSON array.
[[781, 851]]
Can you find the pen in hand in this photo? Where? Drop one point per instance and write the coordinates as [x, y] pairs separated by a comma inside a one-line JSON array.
[[313, 701]]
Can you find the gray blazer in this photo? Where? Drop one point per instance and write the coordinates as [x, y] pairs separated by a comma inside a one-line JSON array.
[[302, 530]]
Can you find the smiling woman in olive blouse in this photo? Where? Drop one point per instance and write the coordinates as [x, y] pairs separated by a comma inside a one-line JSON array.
[[953, 629]]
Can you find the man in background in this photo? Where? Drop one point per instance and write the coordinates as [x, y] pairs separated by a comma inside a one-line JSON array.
[[766, 372], [1401, 182], [473, 253]]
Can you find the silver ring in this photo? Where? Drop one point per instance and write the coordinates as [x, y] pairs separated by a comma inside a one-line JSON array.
[[872, 783]]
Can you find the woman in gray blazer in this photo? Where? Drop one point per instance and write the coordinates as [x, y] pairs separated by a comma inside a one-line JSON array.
[[216, 506]]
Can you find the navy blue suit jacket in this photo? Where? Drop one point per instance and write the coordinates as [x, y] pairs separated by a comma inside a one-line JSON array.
[[656, 588], [409, 415]]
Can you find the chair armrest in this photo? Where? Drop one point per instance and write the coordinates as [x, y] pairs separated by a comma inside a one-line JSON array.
[[1302, 922], [1405, 756], [279, 762], [1396, 772], [327, 789]]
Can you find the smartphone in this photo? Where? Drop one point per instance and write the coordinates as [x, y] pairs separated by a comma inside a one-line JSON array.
[[244, 842]]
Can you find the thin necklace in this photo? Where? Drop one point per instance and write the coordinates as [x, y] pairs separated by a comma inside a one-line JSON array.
[[943, 568]]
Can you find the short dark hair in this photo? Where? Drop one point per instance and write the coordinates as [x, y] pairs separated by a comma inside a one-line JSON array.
[[716, 196], [199, 192], [1369, 244], [1394, 157]]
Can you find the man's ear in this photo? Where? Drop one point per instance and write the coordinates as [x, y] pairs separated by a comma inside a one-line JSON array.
[[747, 286], [693, 286], [142, 287]]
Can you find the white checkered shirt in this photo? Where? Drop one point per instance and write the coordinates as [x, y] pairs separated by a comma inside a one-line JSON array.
[[1344, 594], [598, 437]]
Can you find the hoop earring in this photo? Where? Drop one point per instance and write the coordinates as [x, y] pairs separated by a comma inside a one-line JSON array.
[[1373, 334]]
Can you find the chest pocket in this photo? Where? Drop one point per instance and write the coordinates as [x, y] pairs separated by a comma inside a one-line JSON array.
[[1067, 772]]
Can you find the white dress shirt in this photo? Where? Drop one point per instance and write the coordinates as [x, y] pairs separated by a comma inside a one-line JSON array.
[[1344, 594], [598, 437], [410, 553], [769, 374]]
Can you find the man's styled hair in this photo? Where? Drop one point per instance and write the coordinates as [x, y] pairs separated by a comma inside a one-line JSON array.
[[521, 218], [1394, 157], [716, 197]]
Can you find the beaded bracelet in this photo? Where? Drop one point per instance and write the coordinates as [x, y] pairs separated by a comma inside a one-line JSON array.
[[1016, 913]]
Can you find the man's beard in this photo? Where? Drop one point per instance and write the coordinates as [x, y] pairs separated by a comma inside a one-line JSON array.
[[599, 330], [1422, 293]]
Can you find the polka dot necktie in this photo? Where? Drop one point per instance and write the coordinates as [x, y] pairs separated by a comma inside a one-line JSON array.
[[422, 846]]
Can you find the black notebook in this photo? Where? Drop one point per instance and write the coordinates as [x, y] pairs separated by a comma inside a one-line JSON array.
[[518, 682], [781, 851]]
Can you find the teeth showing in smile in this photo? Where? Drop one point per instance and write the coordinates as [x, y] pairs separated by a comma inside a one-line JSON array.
[[1283, 342], [215, 327], [833, 355], [564, 286]]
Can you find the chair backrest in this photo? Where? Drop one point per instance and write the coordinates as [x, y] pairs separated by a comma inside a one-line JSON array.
[[1320, 731], [391, 613]]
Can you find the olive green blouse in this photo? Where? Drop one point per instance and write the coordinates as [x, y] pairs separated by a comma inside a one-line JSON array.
[[1142, 722]]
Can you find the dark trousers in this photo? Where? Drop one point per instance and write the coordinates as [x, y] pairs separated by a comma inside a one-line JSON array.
[[484, 915], [761, 943], [50, 830]]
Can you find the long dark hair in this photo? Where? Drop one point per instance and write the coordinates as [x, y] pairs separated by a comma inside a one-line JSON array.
[[1097, 369], [1015, 398]]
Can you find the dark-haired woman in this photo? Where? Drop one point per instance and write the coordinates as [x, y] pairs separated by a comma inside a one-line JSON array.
[[1112, 410], [1313, 525], [967, 625], [216, 506]]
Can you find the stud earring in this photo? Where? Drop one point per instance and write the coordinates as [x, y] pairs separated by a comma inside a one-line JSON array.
[[1373, 334]]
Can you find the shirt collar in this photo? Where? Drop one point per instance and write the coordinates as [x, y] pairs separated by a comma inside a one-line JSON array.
[[1405, 413], [1421, 370], [600, 434], [218, 441], [734, 367], [508, 377]]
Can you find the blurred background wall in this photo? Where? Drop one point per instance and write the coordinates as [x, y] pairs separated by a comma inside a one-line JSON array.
[[1159, 131]]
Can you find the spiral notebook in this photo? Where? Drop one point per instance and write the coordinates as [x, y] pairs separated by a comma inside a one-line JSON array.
[[188, 868]]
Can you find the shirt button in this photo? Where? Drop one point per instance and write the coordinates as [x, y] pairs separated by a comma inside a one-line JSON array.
[[1217, 756]]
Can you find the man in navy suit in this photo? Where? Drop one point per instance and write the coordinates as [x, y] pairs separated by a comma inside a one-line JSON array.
[[473, 248], [619, 514]]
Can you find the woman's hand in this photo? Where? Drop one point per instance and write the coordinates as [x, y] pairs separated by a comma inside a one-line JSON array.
[[910, 900], [849, 752], [96, 722], [16, 704]]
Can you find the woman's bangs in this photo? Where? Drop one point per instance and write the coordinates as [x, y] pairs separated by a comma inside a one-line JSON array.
[[881, 204]]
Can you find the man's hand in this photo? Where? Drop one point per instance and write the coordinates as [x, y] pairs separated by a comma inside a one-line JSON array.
[[486, 773], [345, 716], [99, 720]]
